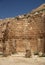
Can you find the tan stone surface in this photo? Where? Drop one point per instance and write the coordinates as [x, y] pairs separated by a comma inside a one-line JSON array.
[[26, 30]]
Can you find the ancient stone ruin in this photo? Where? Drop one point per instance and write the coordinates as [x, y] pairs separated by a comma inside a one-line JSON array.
[[25, 33]]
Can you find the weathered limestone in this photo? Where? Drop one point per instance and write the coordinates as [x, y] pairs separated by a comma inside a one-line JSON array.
[[41, 45], [6, 49], [12, 43], [24, 33], [28, 54]]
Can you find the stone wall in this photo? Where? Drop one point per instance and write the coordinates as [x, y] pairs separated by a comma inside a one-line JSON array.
[[23, 33]]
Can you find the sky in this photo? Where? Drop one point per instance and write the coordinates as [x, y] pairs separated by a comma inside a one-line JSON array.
[[12, 8]]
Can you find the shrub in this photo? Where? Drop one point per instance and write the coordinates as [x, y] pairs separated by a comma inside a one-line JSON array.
[[43, 55], [36, 53]]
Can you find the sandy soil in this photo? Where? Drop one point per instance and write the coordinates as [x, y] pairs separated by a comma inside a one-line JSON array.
[[19, 59]]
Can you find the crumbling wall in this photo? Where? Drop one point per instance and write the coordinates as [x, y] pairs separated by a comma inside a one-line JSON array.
[[23, 34]]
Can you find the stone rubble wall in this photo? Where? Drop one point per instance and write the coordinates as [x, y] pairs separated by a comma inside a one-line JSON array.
[[23, 32]]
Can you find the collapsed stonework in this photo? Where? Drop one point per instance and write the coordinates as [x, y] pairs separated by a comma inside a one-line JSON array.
[[26, 32]]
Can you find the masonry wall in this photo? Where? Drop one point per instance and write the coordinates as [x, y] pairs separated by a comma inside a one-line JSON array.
[[26, 33]]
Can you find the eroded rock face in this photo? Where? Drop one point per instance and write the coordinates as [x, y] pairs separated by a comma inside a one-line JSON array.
[[28, 54], [22, 32]]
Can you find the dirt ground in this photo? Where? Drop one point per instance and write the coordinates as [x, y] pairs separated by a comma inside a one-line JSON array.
[[19, 59]]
